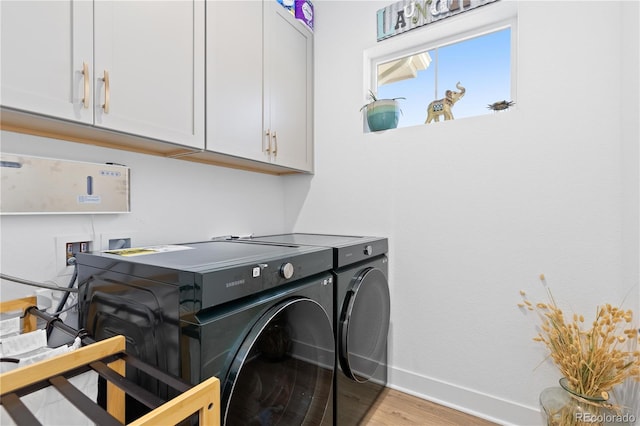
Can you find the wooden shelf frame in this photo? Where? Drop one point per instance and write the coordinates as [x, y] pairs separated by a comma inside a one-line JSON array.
[[29, 322], [37, 125], [203, 398]]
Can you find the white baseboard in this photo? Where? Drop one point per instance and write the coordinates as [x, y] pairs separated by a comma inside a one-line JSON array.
[[469, 401]]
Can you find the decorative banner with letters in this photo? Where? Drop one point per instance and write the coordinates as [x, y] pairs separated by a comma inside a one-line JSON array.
[[407, 15]]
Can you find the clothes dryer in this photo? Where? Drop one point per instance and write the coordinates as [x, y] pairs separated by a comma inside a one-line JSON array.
[[361, 317], [259, 317]]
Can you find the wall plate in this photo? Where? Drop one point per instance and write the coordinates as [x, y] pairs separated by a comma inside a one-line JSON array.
[[61, 250], [106, 236]]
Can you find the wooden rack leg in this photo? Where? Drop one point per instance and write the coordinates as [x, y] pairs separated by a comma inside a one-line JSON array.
[[115, 395], [29, 322], [203, 399]]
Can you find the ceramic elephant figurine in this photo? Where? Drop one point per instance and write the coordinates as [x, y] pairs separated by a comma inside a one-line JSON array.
[[443, 106]]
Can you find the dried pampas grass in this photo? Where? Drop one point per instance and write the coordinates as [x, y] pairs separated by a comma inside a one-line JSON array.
[[594, 357]]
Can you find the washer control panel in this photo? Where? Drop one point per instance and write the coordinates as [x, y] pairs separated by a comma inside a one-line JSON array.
[[286, 270]]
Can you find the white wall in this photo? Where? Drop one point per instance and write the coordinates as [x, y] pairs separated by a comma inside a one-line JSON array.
[[172, 201], [477, 208]]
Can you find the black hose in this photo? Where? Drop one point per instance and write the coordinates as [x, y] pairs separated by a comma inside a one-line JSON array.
[[65, 296], [36, 284]]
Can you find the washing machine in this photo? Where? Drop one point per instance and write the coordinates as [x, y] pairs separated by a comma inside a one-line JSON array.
[[361, 317], [258, 317]]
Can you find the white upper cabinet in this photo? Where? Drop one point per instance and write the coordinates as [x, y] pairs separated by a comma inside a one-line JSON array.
[[234, 78], [259, 83], [136, 67], [46, 46], [149, 69], [288, 79], [131, 75]]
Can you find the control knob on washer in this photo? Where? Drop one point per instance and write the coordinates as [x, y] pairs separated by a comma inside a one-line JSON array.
[[368, 250], [286, 270]]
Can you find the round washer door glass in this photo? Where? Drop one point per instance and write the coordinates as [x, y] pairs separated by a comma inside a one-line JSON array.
[[283, 372], [364, 325]]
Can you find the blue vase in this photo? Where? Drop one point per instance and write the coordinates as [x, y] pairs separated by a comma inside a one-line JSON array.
[[383, 114]]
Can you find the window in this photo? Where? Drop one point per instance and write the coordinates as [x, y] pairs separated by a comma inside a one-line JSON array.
[[482, 64]]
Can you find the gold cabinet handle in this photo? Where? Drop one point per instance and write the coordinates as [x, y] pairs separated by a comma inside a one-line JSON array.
[[85, 73], [267, 133], [105, 105], [275, 143]]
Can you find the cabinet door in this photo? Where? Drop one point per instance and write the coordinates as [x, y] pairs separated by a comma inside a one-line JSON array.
[[234, 79], [149, 77], [45, 45], [288, 87]]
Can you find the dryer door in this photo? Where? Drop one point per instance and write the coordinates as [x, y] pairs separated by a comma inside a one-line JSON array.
[[283, 371], [364, 325]]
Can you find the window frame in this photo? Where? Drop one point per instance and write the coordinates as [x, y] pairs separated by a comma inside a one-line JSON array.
[[475, 23]]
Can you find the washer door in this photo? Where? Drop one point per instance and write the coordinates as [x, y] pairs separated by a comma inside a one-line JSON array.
[[364, 325], [283, 371]]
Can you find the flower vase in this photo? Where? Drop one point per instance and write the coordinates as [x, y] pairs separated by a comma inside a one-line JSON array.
[[383, 114], [561, 406]]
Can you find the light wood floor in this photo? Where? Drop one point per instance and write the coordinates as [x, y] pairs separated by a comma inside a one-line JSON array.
[[395, 408]]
